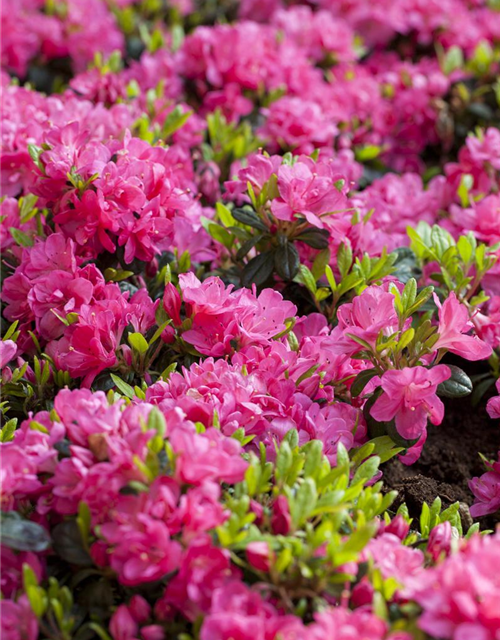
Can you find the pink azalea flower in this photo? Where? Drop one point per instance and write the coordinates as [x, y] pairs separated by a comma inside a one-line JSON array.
[[493, 405], [142, 550], [454, 324], [18, 620], [8, 350], [305, 190], [410, 397], [486, 490], [204, 568]]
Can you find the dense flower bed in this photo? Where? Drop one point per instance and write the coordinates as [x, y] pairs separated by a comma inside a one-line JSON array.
[[247, 247]]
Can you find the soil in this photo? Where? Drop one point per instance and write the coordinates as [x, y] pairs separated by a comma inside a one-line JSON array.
[[449, 460]]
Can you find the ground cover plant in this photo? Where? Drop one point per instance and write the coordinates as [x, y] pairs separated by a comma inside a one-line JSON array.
[[250, 320]]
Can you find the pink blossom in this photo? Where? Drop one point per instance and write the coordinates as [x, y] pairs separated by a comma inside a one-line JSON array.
[[305, 189], [204, 568], [8, 351], [440, 540], [459, 596], [453, 325], [12, 567], [259, 555], [410, 397], [142, 550], [18, 620], [486, 490], [281, 520], [493, 405]]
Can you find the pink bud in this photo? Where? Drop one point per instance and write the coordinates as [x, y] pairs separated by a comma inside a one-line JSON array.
[[153, 632], [440, 540], [99, 554], [139, 608], [7, 352], [258, 509], [362, 594], [152, 268], [122, 626], [172, 303], [281, 520], [259, 555], [168, 335], [398, 527]]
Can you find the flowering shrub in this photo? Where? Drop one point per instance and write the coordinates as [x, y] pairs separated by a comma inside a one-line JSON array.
[[250, 253]]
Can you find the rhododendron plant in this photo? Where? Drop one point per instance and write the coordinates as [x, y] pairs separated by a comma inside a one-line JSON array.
[[250, 351]]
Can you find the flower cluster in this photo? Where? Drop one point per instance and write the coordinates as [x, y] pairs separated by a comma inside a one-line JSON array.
[[249, 249]]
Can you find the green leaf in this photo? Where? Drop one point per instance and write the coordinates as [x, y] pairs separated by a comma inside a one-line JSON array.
[[319, 264], [220, 234], [361, 380], [304, 502], [124, 388], [457, 386], [225, 216], [248, 245], [259, 269], [250, 218], [305, 277], [68, 544], [176, 119], [286, 261], [22, 535], [367, 152], [344, 259], [453, 60], [22, 239], [315, 238], [138, 342], [405, 265]]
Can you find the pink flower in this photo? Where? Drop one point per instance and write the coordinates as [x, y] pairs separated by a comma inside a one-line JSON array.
[[259, 555], [493, 405], [207, 456], [142, 550], [365, 317], [297, 124], [486, 490], [410, 397], [308, 190], [12, 567], [338, 623], [172, 303], [204, 568], [394, 559], [281, 521], [440, 540], [453, 326], [459, 597], [18, 620], [8, 350]]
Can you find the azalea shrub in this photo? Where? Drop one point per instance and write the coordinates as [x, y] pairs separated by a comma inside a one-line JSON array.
[[250, 257]]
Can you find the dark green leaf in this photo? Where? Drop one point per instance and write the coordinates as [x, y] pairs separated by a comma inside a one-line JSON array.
[[250, 218], [286, 261], [247, 245], [22, 535], [315, 238], [67, 543], [406, 265], [361, 380], [458, 386], [259, 269]]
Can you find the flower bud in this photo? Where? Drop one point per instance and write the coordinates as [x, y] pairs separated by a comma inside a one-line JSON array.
[[281, 520], [259, 555], [440, 540], [172, 303]]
